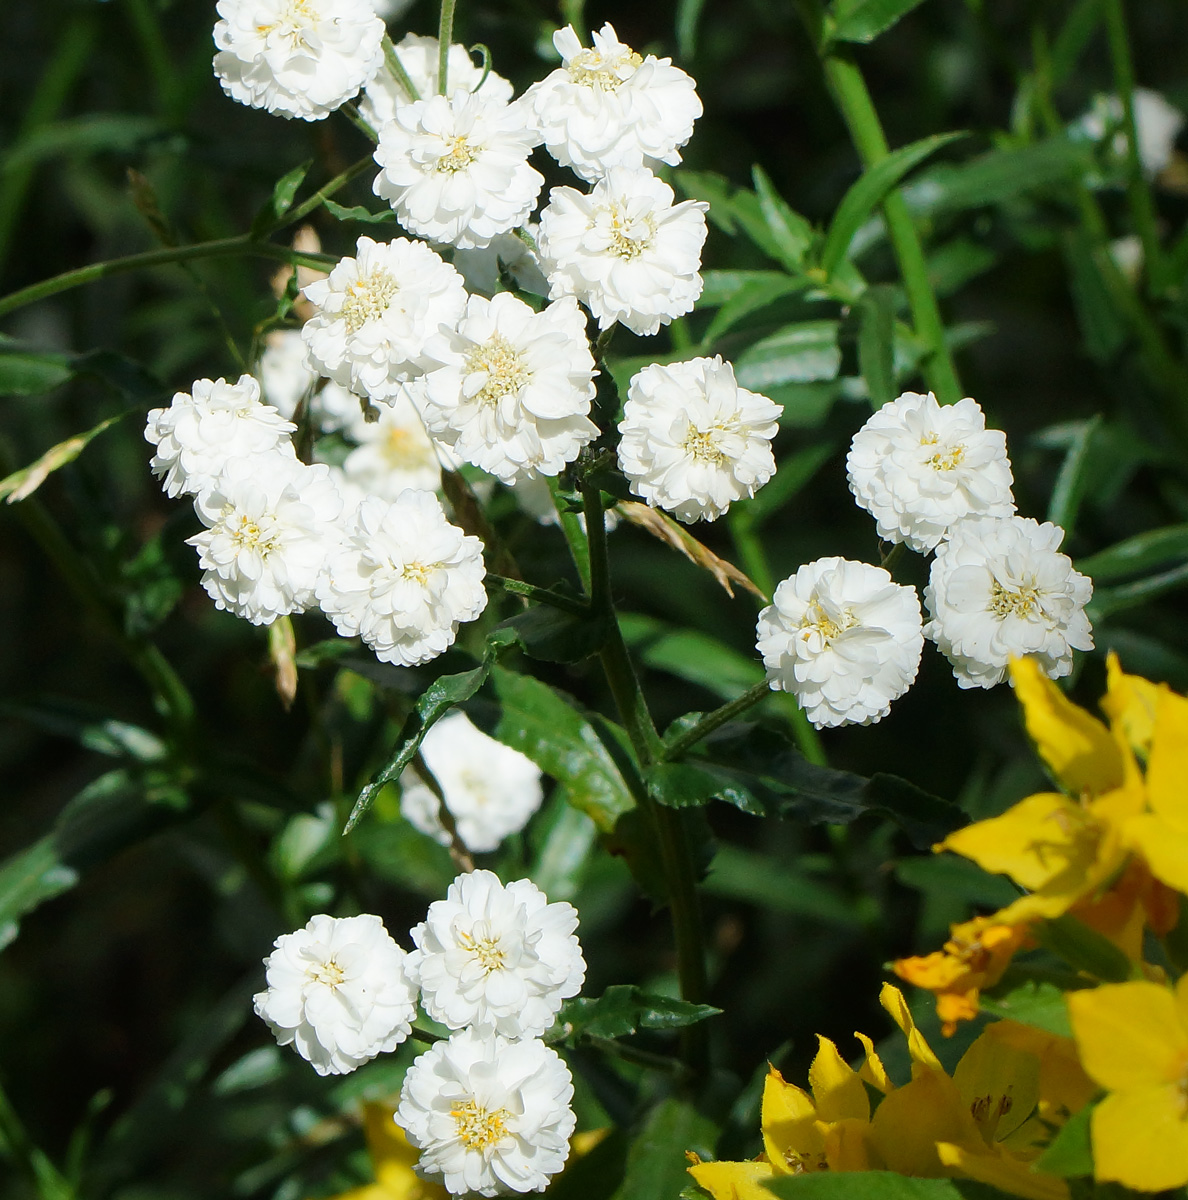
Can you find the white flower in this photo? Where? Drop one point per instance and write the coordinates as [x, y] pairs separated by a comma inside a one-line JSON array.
[[1156, 122], [489, 1116], [394, 453], [508, 254], [419, 56], [270, 521], [495, 957], [338, 991], [917, 466], [202, 430], [456, 170], [609, 107], [297, 58], [1001, 587], [286, 378], [375, 313], [844, 639], [510, 389], [625, 250], [490, 789], [404, 580], [693, 440]]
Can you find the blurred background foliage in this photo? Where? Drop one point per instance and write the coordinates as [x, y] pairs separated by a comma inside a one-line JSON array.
[[150, 857]]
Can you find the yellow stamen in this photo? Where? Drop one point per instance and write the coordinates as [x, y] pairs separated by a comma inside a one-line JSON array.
[[506, 373], [368, 298], [589, 69], [479, 1129]]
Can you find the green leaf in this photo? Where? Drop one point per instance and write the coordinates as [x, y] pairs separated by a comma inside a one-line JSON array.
[[1084, 948], [868, 1185], [438, 698], [1104, 329], [731, 208], [767, 882], [691, 655], [864, 20], [869, 190], [23, 483], [1071, 1151], [692, 784], [93, 133], [798, 353], [1137, 555], [554, 635], [1072, 481], [90, 729], [536, 721], [876, 343], [281, 199], [790, 232], [1039, 1004], [794, 472], [688, 14], [722, 286], [1129, 595], [622, 1010], [561, 861], [752, 297], [656, 1161], [24, 373], [358, 213]]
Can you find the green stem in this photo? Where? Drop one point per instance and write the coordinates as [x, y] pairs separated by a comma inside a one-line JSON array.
[[351, 112], [398, 72], [573, 12], [48, 1182], [862, 120], [445, 38], [542, 595], [219, 248], [717, 718], [641, 1058], [424, 1036], [890, 559], [327, 190], [575, 537], [1138, 193]]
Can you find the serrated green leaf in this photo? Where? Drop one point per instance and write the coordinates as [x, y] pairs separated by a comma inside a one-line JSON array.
[[863, 20], [800, 353], [869, 190], [876, 343], [554, 635], [359, 213], [1070, 1153], [623, 1010], [23, 483], [536, 721], [1137, 555], [656, 1162], [1035, 1003], [693, 784], [790, 232], [23, 373]]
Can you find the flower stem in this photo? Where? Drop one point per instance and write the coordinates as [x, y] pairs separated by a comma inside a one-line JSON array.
[[351, 112], [717, 718], [326, 190], [542, 595], [398, 72], [862, 120], [445, 38], [1138, 194], [219, 248]]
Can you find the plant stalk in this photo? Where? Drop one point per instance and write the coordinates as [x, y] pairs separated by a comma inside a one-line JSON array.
[[445, 38], [398, 72]]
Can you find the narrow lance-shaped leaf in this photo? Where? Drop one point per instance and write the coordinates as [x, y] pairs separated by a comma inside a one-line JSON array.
[[281, 199], [27, 373], [358, 213], [870, 190], [1137, 554], [751, 298], [792, 234], [876, 344], [864, 20], [23, 483]]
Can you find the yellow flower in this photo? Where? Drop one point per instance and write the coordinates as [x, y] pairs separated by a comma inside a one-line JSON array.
[[974, 957], [392, 1158], [1133, 1040]]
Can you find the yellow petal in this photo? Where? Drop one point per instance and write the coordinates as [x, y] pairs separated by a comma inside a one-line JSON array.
[[1167, 765], [999, 1084], [791, 1139], [1129, 1034], [1130, 705], [1045, 842], [1064, 1088], [911, 1120], [1003, 1172], [733, 1180], [1164, 847], [846, 1146], [872, 1070], [891, 998], [1079, 750], [1140, 1138], [837, 1088]]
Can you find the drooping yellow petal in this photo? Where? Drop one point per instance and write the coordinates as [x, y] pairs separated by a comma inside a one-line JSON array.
[[1140, 1138], [1064, 1088], [999, 1084], [1003, 1172], [1167, 764], [872, 1070], [1079, 750], [891, 998], [1046, 843], [1129, 1034], [1130, 705], [1164, 848], [733, 1180], [792, 1141], [912, 1119], [837, 1087]]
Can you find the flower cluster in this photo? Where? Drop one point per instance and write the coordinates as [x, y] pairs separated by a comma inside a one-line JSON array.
[[489, 1108]]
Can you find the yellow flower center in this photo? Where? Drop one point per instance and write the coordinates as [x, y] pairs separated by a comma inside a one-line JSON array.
[[295, 18], [486, 949], [250, 536], [506, 373], [368, 298], [816, 618], [417, 572], [329, 973], [406, 449], [458, 155], [588, 68], [943, 460], [477, 1128], [803, 1164], [1019, 602], [702, 445], [629, 238]]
